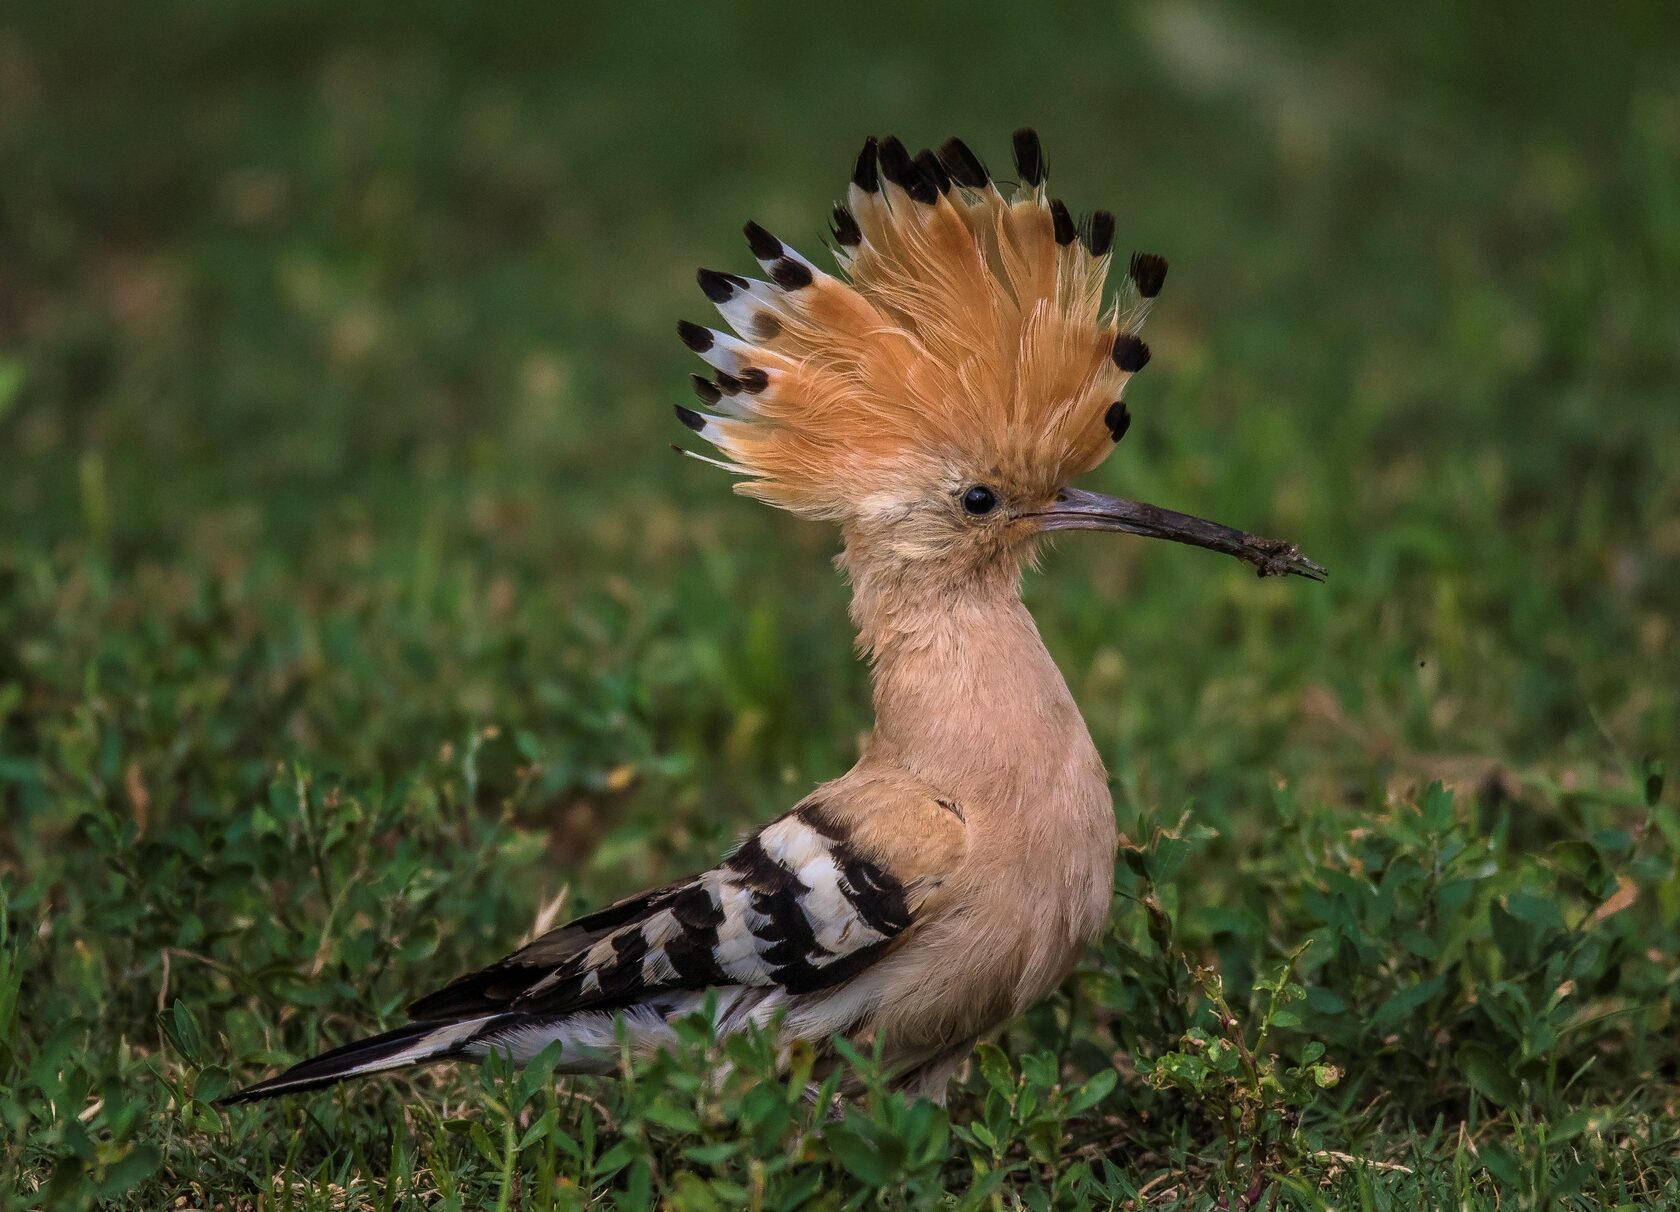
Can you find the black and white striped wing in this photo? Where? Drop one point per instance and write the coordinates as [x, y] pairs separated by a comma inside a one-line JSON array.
[[804, 904], [795, 907]]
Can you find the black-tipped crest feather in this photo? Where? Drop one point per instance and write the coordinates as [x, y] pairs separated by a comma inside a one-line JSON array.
[[1062, 222], [963, 166], [718, 286], [865, 173], [1099, 233], [845, 227], [1130, 354], [790, 274], [1118, 419], [764, 246], [705, 389], [1029, 157], [1148, 272], [696, 336], [898, 168], [935, 171]]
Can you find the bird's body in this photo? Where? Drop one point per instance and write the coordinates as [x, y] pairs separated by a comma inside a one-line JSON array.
[[934, 406]]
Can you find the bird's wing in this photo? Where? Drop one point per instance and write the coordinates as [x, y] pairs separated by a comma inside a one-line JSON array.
[[803, 904]]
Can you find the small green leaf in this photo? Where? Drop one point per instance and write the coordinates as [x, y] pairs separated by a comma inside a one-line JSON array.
[[128, 1171], [711, 1155], [541, 1127], [1437, 808], [615, 1159], [859, 1155], [1584, 1119], [1501, 1163], [480, 1137], [1403, 1002], [994, 1067], [1096, 1088], [1489, 1075], [1041, 1069], [667, 1114]]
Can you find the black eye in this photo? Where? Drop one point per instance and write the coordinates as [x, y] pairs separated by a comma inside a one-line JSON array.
[[979, 500]]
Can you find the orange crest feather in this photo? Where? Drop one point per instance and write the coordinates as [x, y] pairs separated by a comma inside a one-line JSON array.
[[967, 326]]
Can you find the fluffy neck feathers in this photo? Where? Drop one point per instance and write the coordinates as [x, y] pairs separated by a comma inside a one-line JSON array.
[[966, 695]]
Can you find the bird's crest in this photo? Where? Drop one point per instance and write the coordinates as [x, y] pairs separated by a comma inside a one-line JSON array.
[[968, 323]]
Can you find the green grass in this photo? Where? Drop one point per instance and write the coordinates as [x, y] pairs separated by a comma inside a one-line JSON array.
[[352, 608]]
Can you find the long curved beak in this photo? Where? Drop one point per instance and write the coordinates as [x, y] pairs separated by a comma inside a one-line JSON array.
[[1076, 509]]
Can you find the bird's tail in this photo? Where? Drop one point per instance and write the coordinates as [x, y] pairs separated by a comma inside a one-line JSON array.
[[415, 1044]]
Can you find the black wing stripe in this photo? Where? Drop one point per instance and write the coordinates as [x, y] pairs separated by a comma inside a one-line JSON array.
[[785, 928], [795, 907], [878, 898], [756, 869]]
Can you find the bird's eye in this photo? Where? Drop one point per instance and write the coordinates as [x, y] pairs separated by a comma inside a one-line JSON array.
[[979, 500]]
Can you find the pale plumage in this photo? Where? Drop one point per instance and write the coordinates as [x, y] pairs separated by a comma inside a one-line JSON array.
[[934, 403]]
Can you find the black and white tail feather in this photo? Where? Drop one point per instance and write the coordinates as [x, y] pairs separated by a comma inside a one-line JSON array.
[[780, 926]]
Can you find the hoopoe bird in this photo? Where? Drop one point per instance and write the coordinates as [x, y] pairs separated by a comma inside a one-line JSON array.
[[934, 399]]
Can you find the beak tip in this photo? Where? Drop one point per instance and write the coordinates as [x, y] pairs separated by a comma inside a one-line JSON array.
[[1278, 559]]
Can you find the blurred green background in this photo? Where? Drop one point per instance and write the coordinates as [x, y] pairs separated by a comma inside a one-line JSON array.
[[336, 364]]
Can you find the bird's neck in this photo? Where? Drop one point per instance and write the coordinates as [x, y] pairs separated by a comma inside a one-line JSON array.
[[966, 695]]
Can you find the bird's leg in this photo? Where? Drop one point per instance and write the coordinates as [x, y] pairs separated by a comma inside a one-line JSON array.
[[932, 1078]]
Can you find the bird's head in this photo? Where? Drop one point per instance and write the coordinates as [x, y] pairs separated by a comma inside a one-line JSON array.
[[939, 398]]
